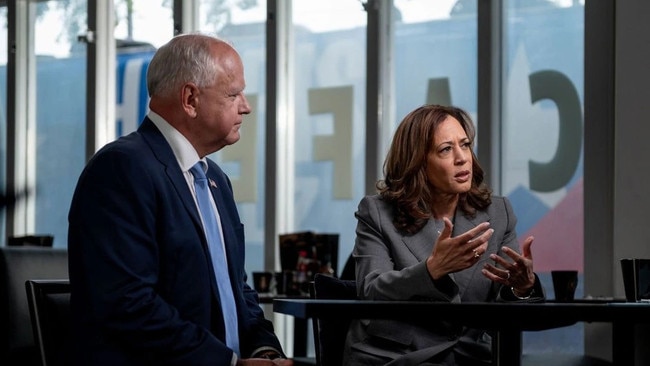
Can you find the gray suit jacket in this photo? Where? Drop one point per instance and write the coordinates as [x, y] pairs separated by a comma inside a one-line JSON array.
[[391, 266]]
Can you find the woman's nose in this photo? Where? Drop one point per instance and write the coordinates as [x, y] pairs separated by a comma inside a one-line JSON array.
[[461, 155]]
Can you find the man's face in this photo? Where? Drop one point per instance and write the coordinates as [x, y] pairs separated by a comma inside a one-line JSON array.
[[222, 105]]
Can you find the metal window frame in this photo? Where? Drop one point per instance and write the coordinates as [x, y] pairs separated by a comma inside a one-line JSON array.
[[21, 114], [100, 76]]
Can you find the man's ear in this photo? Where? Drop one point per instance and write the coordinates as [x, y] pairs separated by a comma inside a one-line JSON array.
[[190, 99]]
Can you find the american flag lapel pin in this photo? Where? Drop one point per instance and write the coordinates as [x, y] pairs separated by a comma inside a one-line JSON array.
[[213, 184]]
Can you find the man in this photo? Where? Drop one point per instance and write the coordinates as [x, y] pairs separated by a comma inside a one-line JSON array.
[[145, 280]]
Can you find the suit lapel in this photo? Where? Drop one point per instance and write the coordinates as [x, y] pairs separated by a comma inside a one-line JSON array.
[[165, 156], [421, 244]]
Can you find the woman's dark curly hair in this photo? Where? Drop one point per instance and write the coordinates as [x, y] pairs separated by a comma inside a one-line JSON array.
[[405, 182]]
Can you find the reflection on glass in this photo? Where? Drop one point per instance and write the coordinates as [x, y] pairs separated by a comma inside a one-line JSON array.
[[435, 55], [330, 77], [243, 24], [149, 22], [542, 141], [61, 90], [216, 16], [417, 11], [141, 27], [59, 142], [3, 34], [3, 114]]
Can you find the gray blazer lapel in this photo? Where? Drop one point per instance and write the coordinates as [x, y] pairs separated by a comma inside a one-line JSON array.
[[421, 244]]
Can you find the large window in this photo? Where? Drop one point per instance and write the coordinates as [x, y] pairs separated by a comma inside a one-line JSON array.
[[50, 157], [542, 143], [4, 200], [434, 59], [243, 24], [141, 27], [329, 113], [55, 147], [435, 55]]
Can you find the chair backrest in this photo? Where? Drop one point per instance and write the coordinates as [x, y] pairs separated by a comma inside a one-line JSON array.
[[17, 265], [49, 308], [348, 269], [330, 332]]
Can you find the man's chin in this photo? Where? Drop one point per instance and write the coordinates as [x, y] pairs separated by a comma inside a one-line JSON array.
[[234, 137]]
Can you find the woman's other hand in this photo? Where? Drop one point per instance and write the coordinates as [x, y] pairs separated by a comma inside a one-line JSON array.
[[516, 271]]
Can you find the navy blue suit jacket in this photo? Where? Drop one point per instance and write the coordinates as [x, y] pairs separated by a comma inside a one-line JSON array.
[[143, 288]]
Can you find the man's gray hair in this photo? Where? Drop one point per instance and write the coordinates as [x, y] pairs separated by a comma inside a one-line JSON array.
[[185, 58]]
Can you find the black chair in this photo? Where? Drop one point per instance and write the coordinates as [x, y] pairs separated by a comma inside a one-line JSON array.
[[348, 269], [330, 333], [17, 265], [49, 308]]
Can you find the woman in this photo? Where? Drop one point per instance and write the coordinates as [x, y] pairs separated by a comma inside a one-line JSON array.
[[435, 232]]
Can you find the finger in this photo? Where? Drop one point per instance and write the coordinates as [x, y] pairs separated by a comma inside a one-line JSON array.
[[520, 259], [473, 233], [526, 247], [480, 242], [476, 254], [483, 238], [478, 251], [447, 230], [500, 260], [490, 275], [481, 248], [497, 271], [496, 274]]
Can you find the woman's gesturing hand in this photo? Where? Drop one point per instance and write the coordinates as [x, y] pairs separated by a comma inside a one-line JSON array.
[[454, 254], [516, 272]]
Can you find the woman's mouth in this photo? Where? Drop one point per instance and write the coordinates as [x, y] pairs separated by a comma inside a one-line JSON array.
[[463, 176]]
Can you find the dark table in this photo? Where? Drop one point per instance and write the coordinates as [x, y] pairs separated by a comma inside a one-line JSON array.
[[508, 320], [300, 326]]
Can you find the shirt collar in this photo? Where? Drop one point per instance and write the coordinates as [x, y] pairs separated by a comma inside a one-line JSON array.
[[183, 150]]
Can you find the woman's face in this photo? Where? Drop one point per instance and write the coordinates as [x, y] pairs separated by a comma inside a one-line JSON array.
[[449, 163]]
